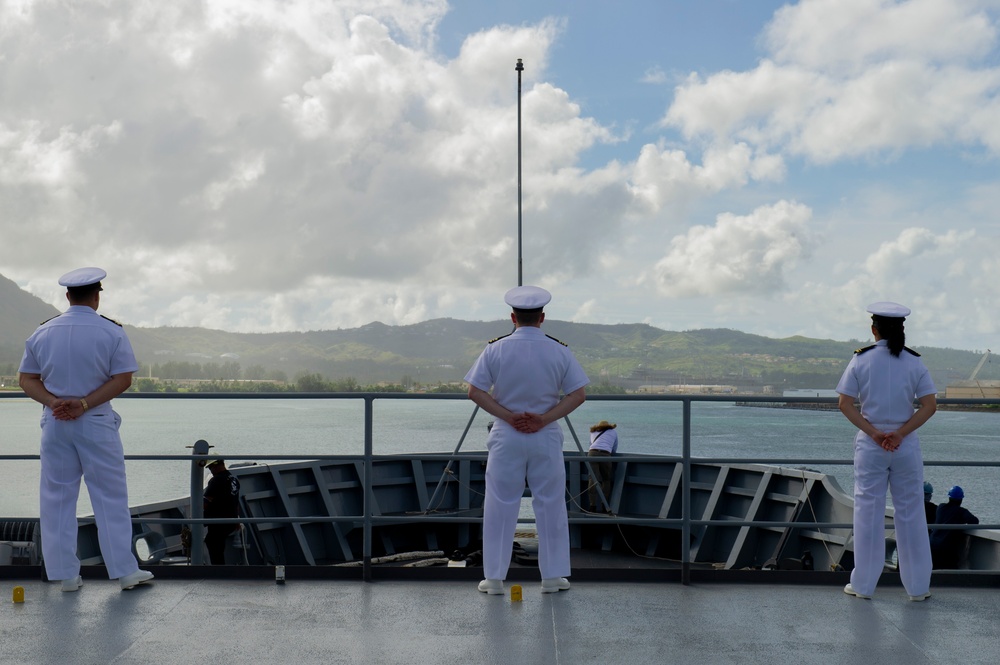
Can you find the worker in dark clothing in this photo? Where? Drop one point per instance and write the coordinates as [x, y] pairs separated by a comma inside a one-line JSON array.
[[222, 499], [948, 545], [930, 508]]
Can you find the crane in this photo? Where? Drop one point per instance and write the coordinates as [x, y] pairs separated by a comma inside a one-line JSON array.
[[982, 361]]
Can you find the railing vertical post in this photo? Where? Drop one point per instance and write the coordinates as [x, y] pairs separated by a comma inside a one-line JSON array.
[[200, 448], [369, 500], [686, 494]]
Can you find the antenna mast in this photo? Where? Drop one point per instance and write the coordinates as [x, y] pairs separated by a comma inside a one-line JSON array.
[[519, 68]]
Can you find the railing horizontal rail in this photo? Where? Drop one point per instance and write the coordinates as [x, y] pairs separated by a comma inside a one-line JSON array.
[[481, 455], [652, 397], [435, 518]]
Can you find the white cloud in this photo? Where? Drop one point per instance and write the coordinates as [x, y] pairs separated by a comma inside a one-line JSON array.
[[892, 260], [740, 254], [243, 176], [261, 165], [586, 311], [663, 175], [932, 273], [853, 78], [852, 34], [654, 75], [35, 155], [247, 148]]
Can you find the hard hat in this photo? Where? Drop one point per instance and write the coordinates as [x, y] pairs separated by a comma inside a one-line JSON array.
[[956, 493], [928, 489]]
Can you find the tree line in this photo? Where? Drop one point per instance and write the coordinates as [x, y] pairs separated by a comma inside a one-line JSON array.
[[230, 377]]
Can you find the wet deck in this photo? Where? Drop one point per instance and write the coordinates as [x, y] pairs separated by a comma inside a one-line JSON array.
[[192, 618]]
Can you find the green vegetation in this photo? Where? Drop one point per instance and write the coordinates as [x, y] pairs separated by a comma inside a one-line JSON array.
[[605, 388], [433, 356], [304, 383]]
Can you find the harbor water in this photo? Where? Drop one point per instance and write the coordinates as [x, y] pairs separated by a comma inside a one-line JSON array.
[[241, 429]]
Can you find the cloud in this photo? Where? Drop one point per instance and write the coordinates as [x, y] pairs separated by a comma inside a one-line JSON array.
[[854, 78], [586, 311], [654, 75], [243, 176], [748, 254], [252, 148], [662, 175], [259, 165], [932, 273], [48, 157], [892, 258], [850, 35], [292, 141]]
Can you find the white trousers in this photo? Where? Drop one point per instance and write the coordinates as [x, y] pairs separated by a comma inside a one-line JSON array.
[[902, 471], [513, 459], [88, 447]]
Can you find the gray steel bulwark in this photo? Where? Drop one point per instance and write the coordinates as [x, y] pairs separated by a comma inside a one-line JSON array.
[[741, 515]]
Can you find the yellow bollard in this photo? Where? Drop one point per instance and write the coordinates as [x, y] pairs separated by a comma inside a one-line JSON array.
[[19, 594], [515, 593]]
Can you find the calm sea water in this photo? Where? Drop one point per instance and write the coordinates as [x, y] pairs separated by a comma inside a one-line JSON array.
[[242, 428]]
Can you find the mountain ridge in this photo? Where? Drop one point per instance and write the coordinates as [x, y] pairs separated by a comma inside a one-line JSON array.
[[441, 350]]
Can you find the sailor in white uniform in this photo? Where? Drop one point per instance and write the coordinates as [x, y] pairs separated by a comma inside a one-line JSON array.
[[74, 365], [886, 378], [518, 379]]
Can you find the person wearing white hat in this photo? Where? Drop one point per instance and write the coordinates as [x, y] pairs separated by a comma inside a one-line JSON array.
[[885, 378], [74, 365], [518, 379]]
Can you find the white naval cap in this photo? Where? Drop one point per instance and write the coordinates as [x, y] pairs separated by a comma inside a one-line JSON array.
[[527, 297], [889, 309], [82, 277]]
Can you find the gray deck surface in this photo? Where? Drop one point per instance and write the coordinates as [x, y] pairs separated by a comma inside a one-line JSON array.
[[221, 621]]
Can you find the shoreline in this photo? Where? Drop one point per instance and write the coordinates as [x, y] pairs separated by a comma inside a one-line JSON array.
[[824, 406]]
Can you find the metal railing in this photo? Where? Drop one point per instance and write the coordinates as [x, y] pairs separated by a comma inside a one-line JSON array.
[[201, 454]]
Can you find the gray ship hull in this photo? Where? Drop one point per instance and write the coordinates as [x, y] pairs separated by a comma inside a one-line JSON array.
[[742, 516]]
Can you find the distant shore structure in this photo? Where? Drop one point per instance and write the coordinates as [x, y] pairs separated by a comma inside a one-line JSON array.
[[687, 389], [973, 390], [810, 392], [814, 393]]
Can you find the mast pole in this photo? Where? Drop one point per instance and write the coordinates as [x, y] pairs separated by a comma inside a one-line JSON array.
[[519, 68]]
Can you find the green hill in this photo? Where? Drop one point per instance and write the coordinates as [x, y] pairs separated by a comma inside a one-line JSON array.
[[442, 350]]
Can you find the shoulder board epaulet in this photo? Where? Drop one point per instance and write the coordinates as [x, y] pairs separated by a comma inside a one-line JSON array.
[[556, 340], [867, 348], [111, 320], [911, 351], [497, 339], [49, 319]]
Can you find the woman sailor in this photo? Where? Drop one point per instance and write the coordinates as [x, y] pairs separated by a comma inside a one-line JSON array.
[[886, 378]]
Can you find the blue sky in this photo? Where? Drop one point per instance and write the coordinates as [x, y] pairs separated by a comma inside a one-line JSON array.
[[256, 165], [608, 50]]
